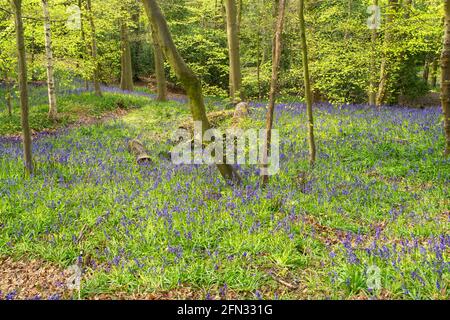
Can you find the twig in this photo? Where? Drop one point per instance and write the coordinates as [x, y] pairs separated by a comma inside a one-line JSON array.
[[284, 283]]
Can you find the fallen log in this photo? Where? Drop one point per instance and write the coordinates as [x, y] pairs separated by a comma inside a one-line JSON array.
[[136, 148], [240, 112], [215, 119]]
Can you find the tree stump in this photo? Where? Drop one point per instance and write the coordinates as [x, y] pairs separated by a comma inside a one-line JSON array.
[[137, 149]]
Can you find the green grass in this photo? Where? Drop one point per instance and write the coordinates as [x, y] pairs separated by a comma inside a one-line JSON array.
[[71, 109], [378, 196]]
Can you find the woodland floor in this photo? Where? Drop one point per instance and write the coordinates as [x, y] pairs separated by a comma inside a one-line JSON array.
[[377, 197]]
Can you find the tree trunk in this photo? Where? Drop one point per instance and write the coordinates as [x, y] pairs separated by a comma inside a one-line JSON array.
[[23, 85], [373, 65], [426, 71], [8, 101], [308, 95], [239, 16], [349, 16], [445, 78], [276, 58], [52, 109], [95, 77], [260, 52], [83, 40], [126, 78], [258, 66], [136, 48], [159, 69], [32, 51], [233, 49], [189, 80], [386, 65], [434, 70], [8, 96]]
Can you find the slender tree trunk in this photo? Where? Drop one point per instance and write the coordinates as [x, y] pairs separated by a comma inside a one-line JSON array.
[[8, 96], [308, 94], [83, 40], [159, 69], [32, 51], [23, 85], [126, 78], [136, 49], [239, 16], [9, 102], [373, 65], [276, 59], [258, 66], [426, 71], [189, 80], [260, 52], [386, 65], [52, 110], [233, 49], [95, 77], [445, 78], [349, 16], [434, 70]]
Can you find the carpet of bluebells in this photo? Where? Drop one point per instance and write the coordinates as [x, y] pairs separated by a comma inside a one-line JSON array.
[[375, 205]]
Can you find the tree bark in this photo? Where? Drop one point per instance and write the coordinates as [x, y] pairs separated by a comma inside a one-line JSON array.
[[84, 52], [373, 65], [240, 8], [52, 107], [426, 71], [445, 78], [349, 16], [126, 77], [308, 94], [258, 66], [23, 86], [159, 69], [189, 80], [434, 70], [259, 52], [233, 49], [32, 51], [386, 64], [276, 59], [8, 96], [136, 48], [8, 101], [95, 76]]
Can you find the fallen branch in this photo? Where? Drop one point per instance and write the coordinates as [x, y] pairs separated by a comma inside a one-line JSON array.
[[284, 283]]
